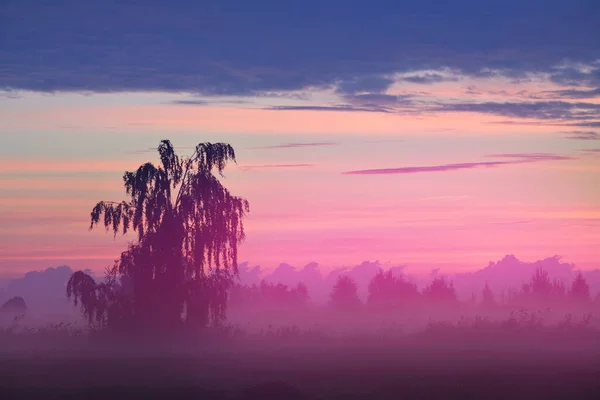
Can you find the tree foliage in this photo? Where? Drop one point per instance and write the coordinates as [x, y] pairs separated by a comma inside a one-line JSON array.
[[344, 294], [386, 290], [188, 229], [580, 290], [487, 296], [268, 295], [541, 289], [440, 291]]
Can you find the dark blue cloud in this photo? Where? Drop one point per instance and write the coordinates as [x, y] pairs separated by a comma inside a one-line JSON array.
[[379, 100], [329, 108], [250, 47], [574, 93], [583, 135], [591, 124], [546, 112], [207, 103], [541, 110], [576, 77], [428, 79], [371, 84]]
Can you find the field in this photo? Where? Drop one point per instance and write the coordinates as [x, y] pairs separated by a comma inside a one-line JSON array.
[[479, 360]]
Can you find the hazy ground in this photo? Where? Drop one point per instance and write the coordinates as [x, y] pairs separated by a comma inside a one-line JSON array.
[[428, 369], [278, 350], [369, 355]]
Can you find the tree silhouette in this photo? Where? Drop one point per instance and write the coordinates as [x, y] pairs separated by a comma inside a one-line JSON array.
[[188, 228], [540, 284], [580, 290], [487, 296], [558, 290], [344, 294], [268, 294], [386, 290], [439, 291], [244, 295], [541, 289], [300, 294]]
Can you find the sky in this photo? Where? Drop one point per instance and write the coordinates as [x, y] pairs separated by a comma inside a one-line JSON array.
[[428, 134]]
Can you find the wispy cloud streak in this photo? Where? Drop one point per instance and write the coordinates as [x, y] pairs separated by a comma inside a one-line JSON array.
[[513, 159], [247, 168], [294, 145], [545, 112], [342, 108], [208, 103], [531, 157], [573, 93], [583, 135]]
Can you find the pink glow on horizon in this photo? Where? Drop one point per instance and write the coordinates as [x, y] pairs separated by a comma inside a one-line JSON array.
[[259, 121], [427, 236], [302, 206]]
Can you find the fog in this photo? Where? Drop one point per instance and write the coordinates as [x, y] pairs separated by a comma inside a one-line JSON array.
[[262, 298], [512, 329]]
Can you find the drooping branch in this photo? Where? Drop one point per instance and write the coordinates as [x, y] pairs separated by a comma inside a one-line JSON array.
[[170, 162], [211, 155], [206, 157], [82, 288], [114, 215]]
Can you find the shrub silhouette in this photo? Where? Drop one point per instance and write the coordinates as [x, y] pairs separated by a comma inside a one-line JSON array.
[[14, 305], [188, 228]]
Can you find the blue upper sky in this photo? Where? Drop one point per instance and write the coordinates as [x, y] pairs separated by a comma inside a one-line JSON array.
[[249, 47]]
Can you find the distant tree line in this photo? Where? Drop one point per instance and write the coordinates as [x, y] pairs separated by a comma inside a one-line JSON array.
[[389, 292]]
